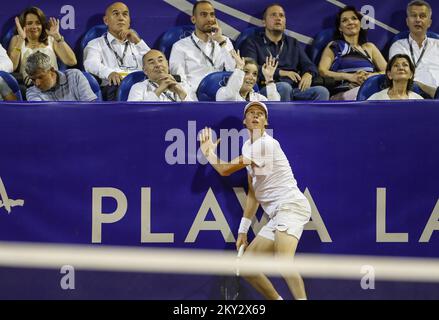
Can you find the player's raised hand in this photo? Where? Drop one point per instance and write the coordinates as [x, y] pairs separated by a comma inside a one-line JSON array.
[[206, 143]]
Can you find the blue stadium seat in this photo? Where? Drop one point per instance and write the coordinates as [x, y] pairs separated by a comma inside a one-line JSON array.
[[370, 86], [171, 36], [321, 40], [12, 83], [211, 83], [248, 32], [405, 34], [7, 38], [93, 33], [128, 82], [377, 83], [94, 85]]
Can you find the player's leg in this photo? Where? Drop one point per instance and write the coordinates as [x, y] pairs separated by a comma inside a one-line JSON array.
[[285, 245], [260, 282]]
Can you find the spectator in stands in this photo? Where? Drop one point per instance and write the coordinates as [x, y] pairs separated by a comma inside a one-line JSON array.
[[350, 59], [117, 53], [160, 85], [35, 34], [6, 66], [400, 73], [53, 85], [207, 50], [241, 82], [422, 50], [295, 72]]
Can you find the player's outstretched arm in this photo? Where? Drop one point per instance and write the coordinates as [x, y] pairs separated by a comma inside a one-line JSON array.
[[251, 206], [208, 148]]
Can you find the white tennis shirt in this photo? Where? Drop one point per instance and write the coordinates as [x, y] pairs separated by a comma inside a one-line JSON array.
[[272, 178]]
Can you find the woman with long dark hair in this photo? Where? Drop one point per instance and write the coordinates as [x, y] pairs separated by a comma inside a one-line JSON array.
[[350, 59], [35, 33]]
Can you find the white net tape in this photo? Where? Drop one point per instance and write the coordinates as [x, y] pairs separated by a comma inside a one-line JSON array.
[[215, 262]]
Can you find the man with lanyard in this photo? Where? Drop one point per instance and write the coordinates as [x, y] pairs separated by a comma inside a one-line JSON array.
[[295, 70], [115, 54], [205, 51], [421, 49], [159, 85]]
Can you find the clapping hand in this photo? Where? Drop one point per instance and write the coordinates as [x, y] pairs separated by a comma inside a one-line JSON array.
[[269, 68], [240, 62], [20, 30], [53, 28]]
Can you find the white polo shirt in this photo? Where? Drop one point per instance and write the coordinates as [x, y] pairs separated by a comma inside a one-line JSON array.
[[427, 70], [272, 178]]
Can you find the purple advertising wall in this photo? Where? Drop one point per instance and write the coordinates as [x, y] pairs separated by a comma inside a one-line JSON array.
[[369, 170]]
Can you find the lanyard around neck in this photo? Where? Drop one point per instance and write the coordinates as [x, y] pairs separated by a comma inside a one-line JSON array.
[[210, 59], [268, 50], [119, 58], [413, 56]]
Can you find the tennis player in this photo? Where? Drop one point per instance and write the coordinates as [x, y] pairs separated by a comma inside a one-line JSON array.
[[272, 185]]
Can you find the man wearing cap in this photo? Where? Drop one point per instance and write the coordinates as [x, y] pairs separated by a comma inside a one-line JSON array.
[[272, 185]]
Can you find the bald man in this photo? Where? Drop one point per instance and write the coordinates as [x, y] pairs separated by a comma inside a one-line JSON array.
[[160, 85], [117, 53]]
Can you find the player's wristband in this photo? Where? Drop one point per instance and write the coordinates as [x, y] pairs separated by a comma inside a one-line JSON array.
[[244, 225]]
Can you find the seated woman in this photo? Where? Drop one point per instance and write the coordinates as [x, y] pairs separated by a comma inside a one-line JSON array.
[[35, 34], [241, 82], [350, 59], [6, 92], [399, 80]]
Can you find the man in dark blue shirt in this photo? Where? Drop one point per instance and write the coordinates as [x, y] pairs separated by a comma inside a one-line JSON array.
[[295, 70]]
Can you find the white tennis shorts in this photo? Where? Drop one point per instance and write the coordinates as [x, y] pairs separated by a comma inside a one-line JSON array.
[[289, 217]]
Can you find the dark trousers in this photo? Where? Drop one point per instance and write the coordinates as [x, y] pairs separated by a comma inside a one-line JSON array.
[[109, 93]]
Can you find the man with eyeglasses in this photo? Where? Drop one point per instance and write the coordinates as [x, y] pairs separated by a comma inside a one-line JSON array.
[[117, 53], [422, 50]]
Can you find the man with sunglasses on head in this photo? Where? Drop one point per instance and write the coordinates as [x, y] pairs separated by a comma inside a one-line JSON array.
[[117, 53]]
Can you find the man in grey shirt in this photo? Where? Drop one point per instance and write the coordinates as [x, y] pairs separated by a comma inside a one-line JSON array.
[[52, 85]]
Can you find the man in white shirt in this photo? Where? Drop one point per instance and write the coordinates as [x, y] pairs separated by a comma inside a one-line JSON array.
[[160, 85], [205, 51], [422, 50], [117, 53], [272, 185]]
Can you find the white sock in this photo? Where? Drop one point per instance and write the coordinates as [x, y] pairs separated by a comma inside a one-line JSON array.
[[302, 299], [279, 298]]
